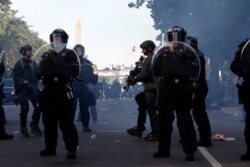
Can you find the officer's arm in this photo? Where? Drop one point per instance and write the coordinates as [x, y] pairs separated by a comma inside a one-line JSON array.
[[17, 73], [203, 70], [146, 73], [236, 67], [2, 70]]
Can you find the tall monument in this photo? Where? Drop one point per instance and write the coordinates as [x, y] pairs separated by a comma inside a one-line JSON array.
[[78, 37]]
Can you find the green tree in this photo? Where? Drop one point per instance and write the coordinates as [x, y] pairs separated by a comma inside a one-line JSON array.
[[219, 25], [14, 33]]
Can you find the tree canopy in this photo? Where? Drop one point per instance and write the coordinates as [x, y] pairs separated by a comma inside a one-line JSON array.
[[15, 33], [219, 25]]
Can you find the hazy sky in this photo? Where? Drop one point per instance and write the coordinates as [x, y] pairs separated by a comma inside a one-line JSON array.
[[109, 28]]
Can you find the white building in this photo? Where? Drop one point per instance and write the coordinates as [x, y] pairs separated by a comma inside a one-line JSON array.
[[119, 73]]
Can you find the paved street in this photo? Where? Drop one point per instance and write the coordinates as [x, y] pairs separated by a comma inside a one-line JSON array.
[[110, 146]]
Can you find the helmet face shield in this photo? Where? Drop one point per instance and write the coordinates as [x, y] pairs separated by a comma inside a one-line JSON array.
[[56, 38], [58, 46], [245, 56], [175, 36], [79, 51], [176, 33], [176, 60], [57, 43], [59, 33]]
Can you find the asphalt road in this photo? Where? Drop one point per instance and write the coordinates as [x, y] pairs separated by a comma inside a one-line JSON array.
[[110, 146]]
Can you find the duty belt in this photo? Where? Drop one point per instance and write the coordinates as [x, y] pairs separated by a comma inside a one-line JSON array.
[[149, 86]]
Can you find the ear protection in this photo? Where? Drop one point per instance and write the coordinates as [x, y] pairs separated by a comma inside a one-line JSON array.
[[22, 51]]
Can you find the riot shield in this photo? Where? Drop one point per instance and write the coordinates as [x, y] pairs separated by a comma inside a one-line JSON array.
[[175, 62], [88, 73], [245, 56], [67, 56]]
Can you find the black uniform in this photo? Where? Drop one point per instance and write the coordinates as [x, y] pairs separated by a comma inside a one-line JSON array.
[[24, 71], [142, 116], [142, 108], [82, 92], [175, 94], [181, 104], [56, 71], [148, 104], [2, 115], [244, 94], [199, 106], [3, 134]]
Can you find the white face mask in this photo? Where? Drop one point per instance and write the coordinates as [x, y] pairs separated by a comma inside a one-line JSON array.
[[59, 46]]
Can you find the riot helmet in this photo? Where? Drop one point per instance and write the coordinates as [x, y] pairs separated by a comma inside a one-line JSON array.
[[192, 41], [58, 39], [148, 45], [24, 49], [59, 33], [79, 49], [176, 33]]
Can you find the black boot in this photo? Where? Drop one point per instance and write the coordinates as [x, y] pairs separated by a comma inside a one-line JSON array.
[[71, 155], [152, 137], [204, 143], [24, 132], [245, 157], [136, 131], [6, 136], [161, 154], [47, 152], [86, 129], [189, 157], [35, 130], [154, 122], [23, 122]]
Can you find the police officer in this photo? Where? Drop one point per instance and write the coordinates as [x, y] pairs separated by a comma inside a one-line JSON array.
[[26, 89], [142, 116], [81, 90], [57, 69], [92, 106], [199, 105], [241, 69], [3, 134], [175, 94], [150, 94]]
